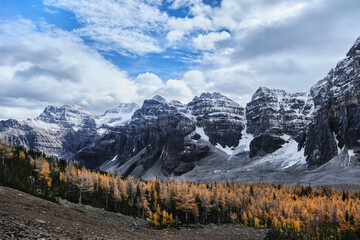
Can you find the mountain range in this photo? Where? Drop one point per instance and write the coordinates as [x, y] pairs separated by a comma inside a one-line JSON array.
[[310, 136]]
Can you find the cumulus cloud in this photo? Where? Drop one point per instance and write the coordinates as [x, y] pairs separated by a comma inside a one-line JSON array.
[[196, 81], [278, 44], [148, 84], [174, 36], [207, 42], [184, 89], [34, 74], [176, 89], [13, 54]]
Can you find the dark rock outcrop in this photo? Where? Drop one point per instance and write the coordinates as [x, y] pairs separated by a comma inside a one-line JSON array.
[[265, 144]]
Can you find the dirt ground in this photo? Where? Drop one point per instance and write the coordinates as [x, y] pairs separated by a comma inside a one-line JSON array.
[[23, 216]]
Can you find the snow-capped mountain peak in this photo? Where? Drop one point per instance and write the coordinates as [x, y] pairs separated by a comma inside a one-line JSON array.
[[276, 111], [213, 95], [122, 108], [67, 115], [221, 118], [355, 48], [117, 116], [176, 103], [213, 103], [159, 99]]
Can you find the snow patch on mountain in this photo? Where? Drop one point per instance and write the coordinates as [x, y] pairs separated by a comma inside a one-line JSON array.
[[114, 159], [118, 116], [244, 143], [66, 116], [243, 146], [285, 157], [226, 149], [201, 132], [351, 153], [39, 124]]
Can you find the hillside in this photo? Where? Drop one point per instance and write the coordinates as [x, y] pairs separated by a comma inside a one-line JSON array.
[[302, 211], [24, 216]]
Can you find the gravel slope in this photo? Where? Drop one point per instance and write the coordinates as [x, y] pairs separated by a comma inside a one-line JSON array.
[[23, 216]]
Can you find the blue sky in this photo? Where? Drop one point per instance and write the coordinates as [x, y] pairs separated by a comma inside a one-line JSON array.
[[35, 10], [167, 64], [99, 53]]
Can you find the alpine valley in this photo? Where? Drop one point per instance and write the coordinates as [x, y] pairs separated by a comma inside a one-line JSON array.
[[278, 136]]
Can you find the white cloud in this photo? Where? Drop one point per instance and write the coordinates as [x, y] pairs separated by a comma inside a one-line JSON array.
[[207, 42], [239, 46], [18, 112], [188, 26], [68, 72], [125, 26], [176, 4], [140, 27], [174, 36], [192, 83], [196, 81], [147, 85], [176, 89], [121, 40]]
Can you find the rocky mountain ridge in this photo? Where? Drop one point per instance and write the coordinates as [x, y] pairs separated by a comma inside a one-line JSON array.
[[169, 138], [336, 124], [212, 136], [62, 131]]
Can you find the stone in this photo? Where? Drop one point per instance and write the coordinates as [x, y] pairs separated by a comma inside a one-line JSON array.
[[265, 144]]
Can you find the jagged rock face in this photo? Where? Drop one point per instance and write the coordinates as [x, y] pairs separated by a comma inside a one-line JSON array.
[[160, 127], [101, 150], [278, 112], [179, 106], [272, 113], [265, 144], [28, 134], [193, 152], [163, 134], [77, 127], [155, 132], [336, 121], [59, 132], [221, 118]]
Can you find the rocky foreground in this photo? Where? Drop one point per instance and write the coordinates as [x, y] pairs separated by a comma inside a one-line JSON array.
[[23, 216]]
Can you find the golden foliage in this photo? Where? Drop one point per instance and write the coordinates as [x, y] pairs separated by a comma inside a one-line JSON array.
[[318, 211], [45, 172]]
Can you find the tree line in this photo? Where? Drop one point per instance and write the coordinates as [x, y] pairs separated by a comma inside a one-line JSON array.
[[314, 212]]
